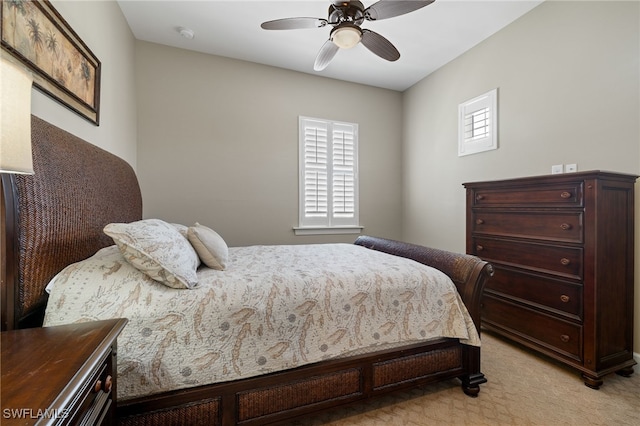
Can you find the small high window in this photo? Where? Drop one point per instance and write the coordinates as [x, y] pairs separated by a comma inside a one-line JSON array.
[[478, 124]]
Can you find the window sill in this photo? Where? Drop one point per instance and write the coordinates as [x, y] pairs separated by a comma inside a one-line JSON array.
[[325, 230]]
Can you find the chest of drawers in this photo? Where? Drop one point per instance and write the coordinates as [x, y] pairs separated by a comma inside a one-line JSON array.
[[562, 249], [63, 375]]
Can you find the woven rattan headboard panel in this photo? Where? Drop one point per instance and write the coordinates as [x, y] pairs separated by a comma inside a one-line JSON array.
[[55, 217]]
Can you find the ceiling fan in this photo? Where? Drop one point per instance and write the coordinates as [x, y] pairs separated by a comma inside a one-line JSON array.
[[346, 18]]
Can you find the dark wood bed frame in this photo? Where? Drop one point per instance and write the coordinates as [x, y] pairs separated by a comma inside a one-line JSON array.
[[55, 217]]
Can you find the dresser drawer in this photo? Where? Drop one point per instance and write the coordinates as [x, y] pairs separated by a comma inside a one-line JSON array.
[[551, 195], [547, 225], [552, 259], [563, 337], [534, 289], [96, 398]]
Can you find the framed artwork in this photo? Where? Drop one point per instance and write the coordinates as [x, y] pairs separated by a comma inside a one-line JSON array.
[[34, 33]]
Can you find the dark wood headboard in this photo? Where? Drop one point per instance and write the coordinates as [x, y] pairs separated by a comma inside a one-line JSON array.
[[55, 217]]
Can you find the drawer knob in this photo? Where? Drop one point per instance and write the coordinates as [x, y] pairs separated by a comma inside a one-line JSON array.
[[564, 338], [564, 298], [108, 384], [565, 194], [98, 386], [479, 197], [479, 247], [565, 261], [565, 226], [479, 221]]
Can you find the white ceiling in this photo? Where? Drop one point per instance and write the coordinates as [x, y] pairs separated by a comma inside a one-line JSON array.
[[427, 38]]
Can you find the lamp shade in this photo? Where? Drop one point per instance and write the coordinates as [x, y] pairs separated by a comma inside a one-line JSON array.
[[15, 119]]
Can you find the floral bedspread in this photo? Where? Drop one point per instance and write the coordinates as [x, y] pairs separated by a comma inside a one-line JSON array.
[[273, 308]]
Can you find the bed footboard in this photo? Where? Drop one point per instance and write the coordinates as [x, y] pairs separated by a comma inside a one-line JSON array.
[[469, 273]]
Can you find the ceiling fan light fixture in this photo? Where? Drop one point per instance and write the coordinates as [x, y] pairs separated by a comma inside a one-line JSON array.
[[346, 35]]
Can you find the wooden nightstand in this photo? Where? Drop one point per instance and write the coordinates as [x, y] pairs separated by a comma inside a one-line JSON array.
[[60, 375]]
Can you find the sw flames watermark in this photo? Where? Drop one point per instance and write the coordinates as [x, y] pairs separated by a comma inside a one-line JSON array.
[[31, 413]]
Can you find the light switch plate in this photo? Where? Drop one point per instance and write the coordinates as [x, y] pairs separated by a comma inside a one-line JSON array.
[[571, 168], [557, 169]]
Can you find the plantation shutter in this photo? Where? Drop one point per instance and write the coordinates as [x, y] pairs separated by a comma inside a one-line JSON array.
[[343, 172], [316, 171], [328, 163], [477, 124]]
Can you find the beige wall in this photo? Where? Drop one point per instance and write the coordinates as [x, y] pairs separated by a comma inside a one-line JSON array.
[[568, 87], [103, 28], [218, 144]]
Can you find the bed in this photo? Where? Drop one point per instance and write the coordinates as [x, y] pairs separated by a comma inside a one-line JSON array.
[[301, 358]]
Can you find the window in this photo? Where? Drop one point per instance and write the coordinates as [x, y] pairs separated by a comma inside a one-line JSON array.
[[478, 124], [328, 177]]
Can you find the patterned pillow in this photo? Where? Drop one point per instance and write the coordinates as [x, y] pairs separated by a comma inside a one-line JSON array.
[[210, 246], [182, 229], [158, 249]]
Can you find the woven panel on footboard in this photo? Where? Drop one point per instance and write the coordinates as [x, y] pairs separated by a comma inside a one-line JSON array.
[[204, 413], [397, 371], [262, 402]]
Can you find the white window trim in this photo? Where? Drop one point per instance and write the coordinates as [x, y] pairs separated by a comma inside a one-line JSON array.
[[325, 230], [331, 223], [468, 143]]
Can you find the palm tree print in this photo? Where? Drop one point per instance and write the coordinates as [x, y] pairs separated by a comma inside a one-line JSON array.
[[86, 72], [30, 30], [52, 46], [35, 35]]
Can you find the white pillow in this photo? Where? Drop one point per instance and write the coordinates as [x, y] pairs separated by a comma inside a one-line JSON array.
[[158, 249], [210, 246]]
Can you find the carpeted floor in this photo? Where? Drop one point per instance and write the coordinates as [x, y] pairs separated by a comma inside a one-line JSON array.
[[523, 389]]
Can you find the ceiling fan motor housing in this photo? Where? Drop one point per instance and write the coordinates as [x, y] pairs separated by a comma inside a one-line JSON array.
[[343, 11]]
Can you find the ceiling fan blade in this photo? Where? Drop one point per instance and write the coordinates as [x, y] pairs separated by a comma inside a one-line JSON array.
[[385, 9], [294, 23], [325, 55], [379, 45]]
